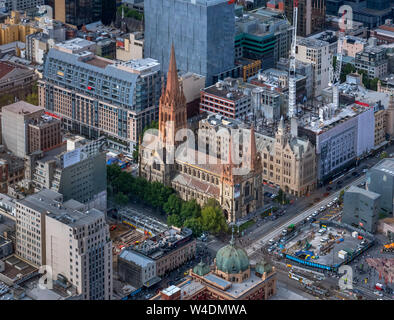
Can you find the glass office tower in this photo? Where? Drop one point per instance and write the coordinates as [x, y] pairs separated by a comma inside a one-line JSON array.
[[202, 31]]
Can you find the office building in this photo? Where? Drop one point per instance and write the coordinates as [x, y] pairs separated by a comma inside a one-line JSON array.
[[304, 69], [192, 84], [225, 99], [361, 208], [262, 35], [311, 15], [373, 14], [353, 45], [130, 47], [373, 61], [201, 31], [78, 247], [95, 96], [380, 179], [79, 13], [157, 256], [317, 53], [72, 241], [15, 122], [77, 170], [230, 277], [339, 136]]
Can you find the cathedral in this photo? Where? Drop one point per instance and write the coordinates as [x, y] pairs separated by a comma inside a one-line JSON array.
[[195, 174]]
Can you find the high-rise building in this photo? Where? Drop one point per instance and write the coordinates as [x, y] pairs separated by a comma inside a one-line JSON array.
[[78, 13], [202, 33], [95, 96], [263, 35], [311, 15], [73, 241], [27, 129], [316, 52], [373, 61], [77, 171]]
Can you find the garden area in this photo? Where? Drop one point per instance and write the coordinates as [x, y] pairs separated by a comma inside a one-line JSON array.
[[123, 188]]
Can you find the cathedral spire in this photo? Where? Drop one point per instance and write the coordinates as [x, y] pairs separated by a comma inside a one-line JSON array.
[[172, 75]]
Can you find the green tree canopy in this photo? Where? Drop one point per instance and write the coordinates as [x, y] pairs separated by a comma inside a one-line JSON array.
[[121, 198], [212, 218], [190, 209], [173, 205]]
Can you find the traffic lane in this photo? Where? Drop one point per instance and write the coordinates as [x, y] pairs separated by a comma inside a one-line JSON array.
[[258, 243]]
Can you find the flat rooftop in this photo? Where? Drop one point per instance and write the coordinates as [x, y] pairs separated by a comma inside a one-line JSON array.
[[99, 62], [75, 44], [386, 166], [15, 266], [364, 192], [22, 107], [313, 123]]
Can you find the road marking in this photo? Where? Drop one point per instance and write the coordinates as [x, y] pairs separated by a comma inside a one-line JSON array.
[[258, 243]]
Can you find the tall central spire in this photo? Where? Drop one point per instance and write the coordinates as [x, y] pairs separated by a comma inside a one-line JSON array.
[[172, 75]]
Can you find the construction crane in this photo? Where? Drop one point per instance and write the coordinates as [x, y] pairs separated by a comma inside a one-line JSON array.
[[335, 76], [292, 66]]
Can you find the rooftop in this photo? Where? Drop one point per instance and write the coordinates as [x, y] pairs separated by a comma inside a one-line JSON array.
[[364, 192], [227, 90], [22, 107], [386, 166], [50, 203], [311, 43], [163, 243], [75, 44]]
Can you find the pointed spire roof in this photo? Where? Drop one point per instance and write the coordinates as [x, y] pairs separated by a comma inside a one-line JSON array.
[[172, 75], [281, 123]]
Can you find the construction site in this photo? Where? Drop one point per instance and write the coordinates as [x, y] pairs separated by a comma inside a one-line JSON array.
[[326, 245]]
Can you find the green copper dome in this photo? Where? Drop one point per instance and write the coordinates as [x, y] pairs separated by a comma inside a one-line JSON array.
[[231, 259], [263, 266], [201, 269]]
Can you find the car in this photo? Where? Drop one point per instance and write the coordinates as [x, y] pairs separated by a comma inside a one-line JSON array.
[[284, 231], [339, 182], [336, 200], [315, 213], [273, 196], [271, 242], [328, 188], [378, 293], [270, 249]]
